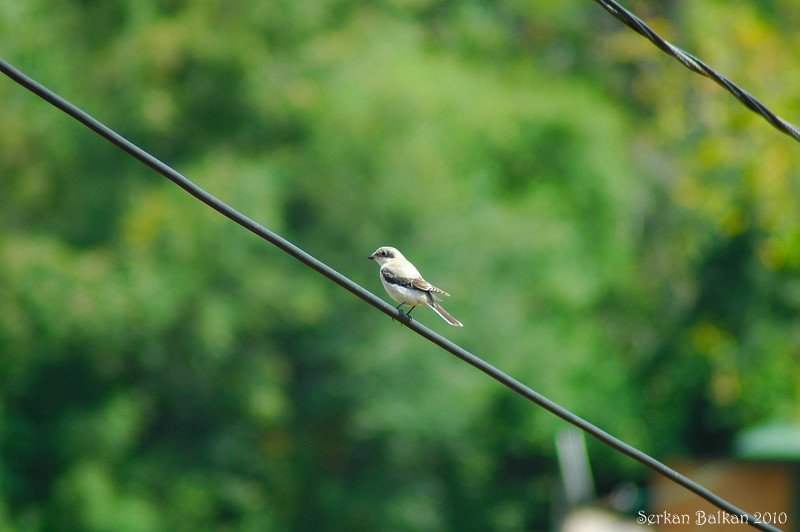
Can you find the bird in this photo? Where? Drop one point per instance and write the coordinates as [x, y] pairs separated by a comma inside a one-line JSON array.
[[403, 282]]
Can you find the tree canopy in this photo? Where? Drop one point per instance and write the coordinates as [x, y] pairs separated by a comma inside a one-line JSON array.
[[616, 232]]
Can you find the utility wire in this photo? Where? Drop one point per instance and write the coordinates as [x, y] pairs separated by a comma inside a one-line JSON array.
[[373, 300], [695, 65]]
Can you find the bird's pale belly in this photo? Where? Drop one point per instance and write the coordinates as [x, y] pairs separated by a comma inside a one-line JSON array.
[[402, 294]]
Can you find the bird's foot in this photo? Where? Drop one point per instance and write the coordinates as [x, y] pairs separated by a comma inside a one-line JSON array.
[[403, 316]]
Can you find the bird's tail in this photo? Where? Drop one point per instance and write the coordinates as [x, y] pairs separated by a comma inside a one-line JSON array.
[[437, 308]]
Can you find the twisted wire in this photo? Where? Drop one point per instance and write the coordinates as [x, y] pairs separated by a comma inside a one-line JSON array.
[[696, 65]]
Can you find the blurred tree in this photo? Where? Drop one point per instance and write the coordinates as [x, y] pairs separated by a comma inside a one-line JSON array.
[[616, 232]]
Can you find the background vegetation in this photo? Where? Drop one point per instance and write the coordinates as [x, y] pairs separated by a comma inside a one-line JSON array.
[[617, 233]]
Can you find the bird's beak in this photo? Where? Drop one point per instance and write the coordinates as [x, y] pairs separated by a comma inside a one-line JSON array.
[[371, 257]]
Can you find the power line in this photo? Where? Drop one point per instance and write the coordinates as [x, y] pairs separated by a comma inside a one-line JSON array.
[[695, 65], [373, 300]]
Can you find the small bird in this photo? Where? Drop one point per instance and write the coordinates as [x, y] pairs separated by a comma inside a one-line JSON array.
[[405, 285]]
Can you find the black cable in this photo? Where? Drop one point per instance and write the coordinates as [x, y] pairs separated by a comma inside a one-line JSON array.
[[695, 65], [370, 298]]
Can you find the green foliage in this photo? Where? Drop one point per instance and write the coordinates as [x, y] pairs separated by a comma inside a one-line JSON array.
[[616, 232]]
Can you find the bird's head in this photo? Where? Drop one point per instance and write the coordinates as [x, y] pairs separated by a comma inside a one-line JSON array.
[[384, 254]]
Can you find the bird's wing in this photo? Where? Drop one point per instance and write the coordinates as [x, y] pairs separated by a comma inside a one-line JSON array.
[[437, 290], [392, 277], [411, 282]]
